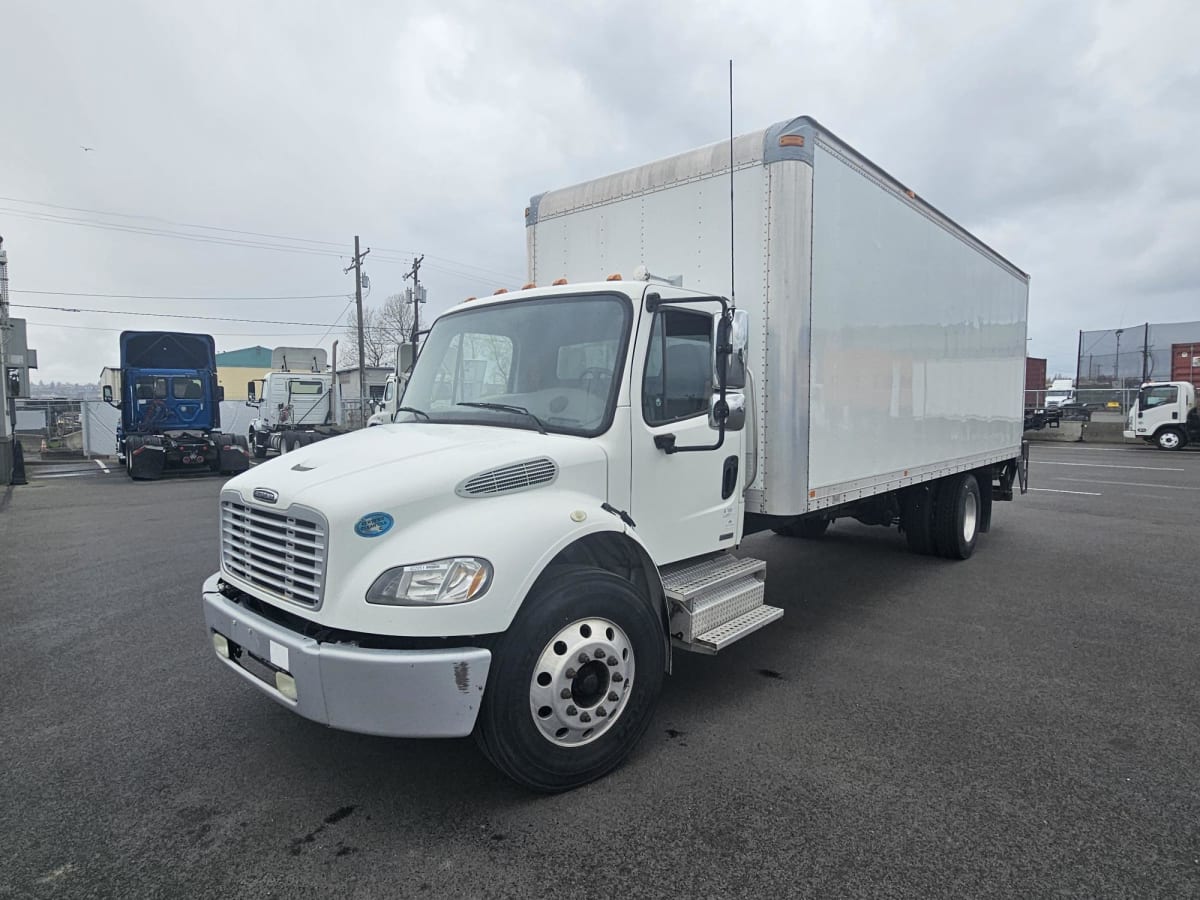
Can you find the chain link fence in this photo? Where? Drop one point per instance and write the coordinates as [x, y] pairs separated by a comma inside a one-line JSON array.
[[49, 429]]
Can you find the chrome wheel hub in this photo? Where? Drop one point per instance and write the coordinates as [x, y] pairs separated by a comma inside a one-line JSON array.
[[581, 682], [970, 517]]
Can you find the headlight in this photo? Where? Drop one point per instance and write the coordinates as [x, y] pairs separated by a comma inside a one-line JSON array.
[[455, 580]]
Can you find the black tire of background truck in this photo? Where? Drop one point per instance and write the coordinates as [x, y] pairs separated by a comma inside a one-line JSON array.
[[956, 522], [809, 529], [131, 444], [1170, 439], [916, 517], [260, 450], [505, 730]]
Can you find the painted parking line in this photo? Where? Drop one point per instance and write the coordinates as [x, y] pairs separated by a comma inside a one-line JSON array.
[[1053, 491], [1115, 466], [1161, 487], [101, 464]]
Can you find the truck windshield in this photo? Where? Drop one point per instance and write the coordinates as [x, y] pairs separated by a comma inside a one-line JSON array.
[[559, 358]]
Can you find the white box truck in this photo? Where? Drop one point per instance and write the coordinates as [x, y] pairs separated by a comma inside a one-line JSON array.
[[560, 509]]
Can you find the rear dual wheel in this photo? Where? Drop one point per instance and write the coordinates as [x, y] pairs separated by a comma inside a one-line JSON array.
[[942, 518], [574, 681]]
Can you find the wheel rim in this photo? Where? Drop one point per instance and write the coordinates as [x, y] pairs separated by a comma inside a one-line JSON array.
[[582, 682], [1168, 440], [970, 517]]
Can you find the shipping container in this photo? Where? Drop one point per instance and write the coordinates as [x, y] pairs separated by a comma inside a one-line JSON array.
[[1035, 381], [1185, 363]]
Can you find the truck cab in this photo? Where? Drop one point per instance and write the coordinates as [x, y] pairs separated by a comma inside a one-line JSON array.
[[1060, 393], [166, 389], [294, 401], [1165, 415]]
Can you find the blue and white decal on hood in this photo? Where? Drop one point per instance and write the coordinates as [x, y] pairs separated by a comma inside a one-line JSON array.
[[373, 525]]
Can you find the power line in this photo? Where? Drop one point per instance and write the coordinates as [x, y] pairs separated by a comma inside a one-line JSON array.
[[157, 297], [246, 334], [126, 312]]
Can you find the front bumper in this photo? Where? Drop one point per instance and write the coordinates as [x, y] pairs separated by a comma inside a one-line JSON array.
[[397, 693]]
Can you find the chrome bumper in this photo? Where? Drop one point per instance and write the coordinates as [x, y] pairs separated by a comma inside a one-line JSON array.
[[397, 693]]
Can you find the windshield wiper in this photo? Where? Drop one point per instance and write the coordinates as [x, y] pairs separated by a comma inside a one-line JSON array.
[[505, 407], [413, 409]]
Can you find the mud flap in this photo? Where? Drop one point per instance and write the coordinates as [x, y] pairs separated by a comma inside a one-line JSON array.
[[234, 458], [147, 462]]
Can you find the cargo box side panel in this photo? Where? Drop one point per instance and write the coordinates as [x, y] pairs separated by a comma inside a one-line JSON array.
[[918, 339]]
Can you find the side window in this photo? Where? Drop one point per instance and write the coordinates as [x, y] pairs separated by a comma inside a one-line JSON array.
[[1157, 396], [187, 389], [678, 378]]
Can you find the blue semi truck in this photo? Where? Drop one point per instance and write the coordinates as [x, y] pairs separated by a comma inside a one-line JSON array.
[[167, 392]]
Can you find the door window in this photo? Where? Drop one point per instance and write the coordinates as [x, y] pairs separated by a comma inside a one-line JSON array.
[[678, 380], [1158, 396]]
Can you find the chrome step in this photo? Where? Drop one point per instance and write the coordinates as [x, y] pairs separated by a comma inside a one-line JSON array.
[[688, 582], [734, 630], [716, 606]]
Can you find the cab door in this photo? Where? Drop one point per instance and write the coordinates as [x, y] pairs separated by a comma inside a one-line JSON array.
[[1158, 405], [688, 502]]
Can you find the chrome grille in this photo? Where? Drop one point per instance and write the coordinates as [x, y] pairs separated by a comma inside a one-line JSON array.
[[516, 477], [283, 553]]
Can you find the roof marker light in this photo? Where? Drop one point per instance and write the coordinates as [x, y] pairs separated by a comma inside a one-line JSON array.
[[528, 285], [615, 276], [499, 291], [559, 281], [791, 140]]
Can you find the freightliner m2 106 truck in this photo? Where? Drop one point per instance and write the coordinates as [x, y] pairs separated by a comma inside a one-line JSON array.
[[170, 406], [560, 509]]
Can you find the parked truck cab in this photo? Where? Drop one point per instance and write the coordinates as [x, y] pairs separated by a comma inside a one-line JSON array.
[[1165, 415], [167, 392], [555, 510]]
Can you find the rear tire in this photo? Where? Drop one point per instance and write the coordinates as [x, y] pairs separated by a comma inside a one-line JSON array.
[[540, 723], [810, 529], [1170, 439], [956, 522]]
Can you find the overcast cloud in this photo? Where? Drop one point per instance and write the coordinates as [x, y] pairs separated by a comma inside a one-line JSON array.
[[1062, 133]]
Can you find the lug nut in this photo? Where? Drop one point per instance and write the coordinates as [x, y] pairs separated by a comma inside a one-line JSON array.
[[565, 693], [612, 696], [617, 678], [612, 660], [570, 673], [599, 653], [585, 718], [600, 712], [584, 659], [571, 710]]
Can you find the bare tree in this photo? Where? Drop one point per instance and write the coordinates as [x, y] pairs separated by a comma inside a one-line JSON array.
[[384, 328]]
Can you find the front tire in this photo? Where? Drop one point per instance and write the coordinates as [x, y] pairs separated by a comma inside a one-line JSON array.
[[260, 450], [1170, 439], [574, 681]]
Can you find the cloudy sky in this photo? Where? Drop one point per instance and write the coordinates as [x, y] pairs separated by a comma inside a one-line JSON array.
[[239, 147]]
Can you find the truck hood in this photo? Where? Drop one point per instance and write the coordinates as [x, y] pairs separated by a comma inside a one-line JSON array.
[[399, 464]]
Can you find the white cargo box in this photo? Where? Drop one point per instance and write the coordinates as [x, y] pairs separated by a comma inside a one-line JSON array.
[[889, 342]]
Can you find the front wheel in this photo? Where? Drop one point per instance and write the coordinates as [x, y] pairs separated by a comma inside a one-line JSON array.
[[574, 681], [1169, 439], [260, 450]]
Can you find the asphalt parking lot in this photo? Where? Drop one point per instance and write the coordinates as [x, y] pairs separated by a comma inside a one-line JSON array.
[[1023, 724]]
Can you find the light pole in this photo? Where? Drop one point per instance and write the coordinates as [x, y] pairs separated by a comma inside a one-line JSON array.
[[1117, 368]]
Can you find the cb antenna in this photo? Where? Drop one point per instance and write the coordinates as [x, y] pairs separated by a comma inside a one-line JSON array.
[[732, 287]]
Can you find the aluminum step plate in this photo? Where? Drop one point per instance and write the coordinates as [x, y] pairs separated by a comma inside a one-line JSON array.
[[716, 606], [735, 629], [684, 582]]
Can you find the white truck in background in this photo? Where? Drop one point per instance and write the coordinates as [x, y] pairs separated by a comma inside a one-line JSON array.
[[394, 387], [1165, 415], [560, 509], [294, 402], [1060, 393]]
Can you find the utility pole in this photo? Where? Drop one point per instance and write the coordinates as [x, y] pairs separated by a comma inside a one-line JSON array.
[[417, 300], [6, 435], [362, 362]]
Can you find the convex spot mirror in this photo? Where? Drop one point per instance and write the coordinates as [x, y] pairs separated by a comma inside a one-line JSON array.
[[736, 333], [735, 419]]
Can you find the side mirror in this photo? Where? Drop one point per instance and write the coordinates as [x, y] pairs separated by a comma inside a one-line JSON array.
[[736, 335], [404, 358], [220, 393], [251, 393], [734, 412], [106, 393]]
